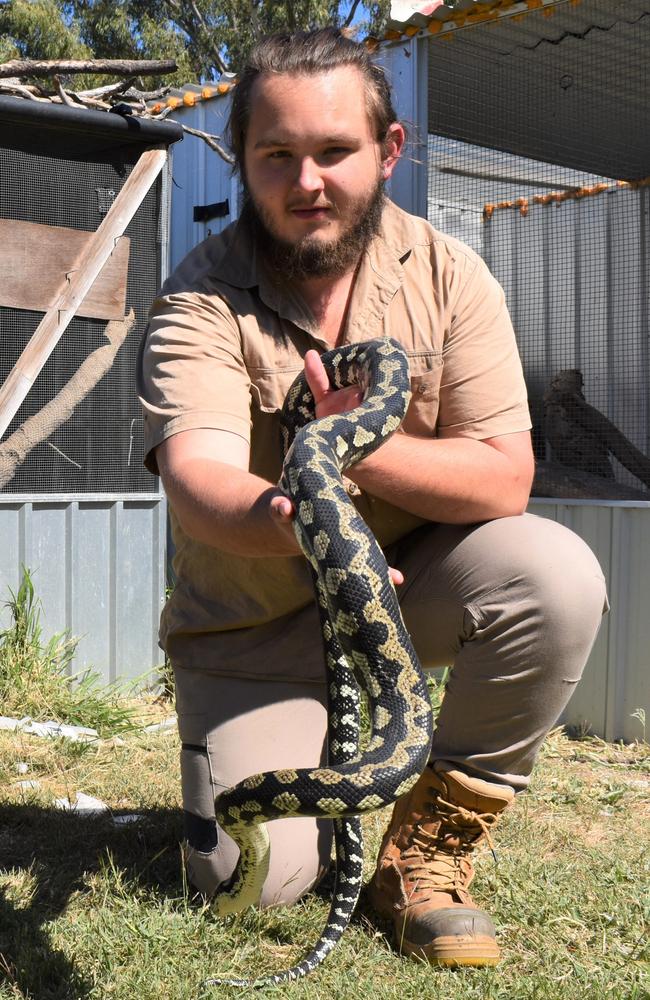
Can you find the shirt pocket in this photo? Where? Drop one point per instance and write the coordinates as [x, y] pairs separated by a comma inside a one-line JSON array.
[[270, 386], [268, 389], [422, 415]]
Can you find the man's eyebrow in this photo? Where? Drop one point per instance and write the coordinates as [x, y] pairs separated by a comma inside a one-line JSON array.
[[268, 141]]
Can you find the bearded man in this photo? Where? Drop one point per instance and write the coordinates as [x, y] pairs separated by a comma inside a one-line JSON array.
[[320, 257]]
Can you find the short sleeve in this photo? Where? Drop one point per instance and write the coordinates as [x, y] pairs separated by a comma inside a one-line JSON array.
[[191, 371], [482, 390]]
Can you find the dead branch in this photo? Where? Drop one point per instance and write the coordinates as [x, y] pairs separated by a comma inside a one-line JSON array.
[[110, 88], [211, 140], [89, 102], [554, 480], [42, 425], [13, 87], [352, 12], [146, 95], [124, 88], [68, 101], [121, 67]]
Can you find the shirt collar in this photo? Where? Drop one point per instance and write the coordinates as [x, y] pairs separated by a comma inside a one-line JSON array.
[[379, 276]]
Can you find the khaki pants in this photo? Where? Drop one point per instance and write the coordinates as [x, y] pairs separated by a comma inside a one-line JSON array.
[[513, 605]]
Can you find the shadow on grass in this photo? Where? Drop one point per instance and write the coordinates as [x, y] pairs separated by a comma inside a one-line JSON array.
[[60, 851]]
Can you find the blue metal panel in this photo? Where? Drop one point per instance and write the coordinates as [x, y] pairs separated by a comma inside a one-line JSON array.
[[200, 177], [616, 681], [91, 583], [98, 566], [406, 69]]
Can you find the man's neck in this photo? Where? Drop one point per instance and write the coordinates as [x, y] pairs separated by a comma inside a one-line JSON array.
[[328, 299]]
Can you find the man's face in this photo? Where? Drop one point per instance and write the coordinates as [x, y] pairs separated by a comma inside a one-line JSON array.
[[314, 172]]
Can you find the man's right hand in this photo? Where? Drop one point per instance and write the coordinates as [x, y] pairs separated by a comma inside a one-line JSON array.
[[326, 399]]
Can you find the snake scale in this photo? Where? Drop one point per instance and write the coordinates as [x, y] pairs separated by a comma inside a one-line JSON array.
[[366, 646]]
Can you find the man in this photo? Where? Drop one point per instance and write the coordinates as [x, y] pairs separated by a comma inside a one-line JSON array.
[[320, 257]]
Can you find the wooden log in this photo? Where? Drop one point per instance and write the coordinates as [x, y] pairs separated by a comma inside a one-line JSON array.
[[557, 481], [121, 67], [54, 323]]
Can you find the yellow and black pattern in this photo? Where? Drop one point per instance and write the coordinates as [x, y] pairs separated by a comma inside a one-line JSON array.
[[366, 646]]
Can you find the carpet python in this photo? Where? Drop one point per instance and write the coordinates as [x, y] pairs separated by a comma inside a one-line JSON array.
[[366, 646]]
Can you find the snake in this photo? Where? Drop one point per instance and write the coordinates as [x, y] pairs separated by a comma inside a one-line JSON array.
[[367, 649]]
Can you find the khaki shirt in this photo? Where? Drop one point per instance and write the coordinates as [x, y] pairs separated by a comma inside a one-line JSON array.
[[225, 341]]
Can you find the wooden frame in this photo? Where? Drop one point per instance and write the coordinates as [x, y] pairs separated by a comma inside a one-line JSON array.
[[78, 283]]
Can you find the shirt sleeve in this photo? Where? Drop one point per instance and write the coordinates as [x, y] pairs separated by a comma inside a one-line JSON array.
[[482, 390], [191, 371]]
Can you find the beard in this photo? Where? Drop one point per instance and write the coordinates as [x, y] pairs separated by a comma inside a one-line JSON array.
[[310, 257]]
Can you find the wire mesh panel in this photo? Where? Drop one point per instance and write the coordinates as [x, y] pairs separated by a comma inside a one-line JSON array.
[[539, 158], [61, 181]]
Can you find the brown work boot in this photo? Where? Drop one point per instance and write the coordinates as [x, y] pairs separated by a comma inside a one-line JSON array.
[[424, 867]]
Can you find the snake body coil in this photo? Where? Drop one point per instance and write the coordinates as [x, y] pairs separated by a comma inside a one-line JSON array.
[[366, 645]]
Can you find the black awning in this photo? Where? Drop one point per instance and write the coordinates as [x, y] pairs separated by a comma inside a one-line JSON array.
[[59, 130]]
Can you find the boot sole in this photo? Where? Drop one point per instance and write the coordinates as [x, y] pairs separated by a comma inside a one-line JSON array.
[[451, 951]]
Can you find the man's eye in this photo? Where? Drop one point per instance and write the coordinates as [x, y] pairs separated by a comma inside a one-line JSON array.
[[279, 154]]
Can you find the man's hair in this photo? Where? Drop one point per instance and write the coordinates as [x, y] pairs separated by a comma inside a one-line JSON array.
[[308, 53]]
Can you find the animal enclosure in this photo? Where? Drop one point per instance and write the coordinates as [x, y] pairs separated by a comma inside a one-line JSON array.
[[539, 157], [78, 509]]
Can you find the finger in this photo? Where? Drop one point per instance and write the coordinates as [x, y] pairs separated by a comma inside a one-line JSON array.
[[316, 376], [281, 507], [396, 576]]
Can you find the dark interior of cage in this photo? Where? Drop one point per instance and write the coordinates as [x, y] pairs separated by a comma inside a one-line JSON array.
[[539, 158], [79, 430]]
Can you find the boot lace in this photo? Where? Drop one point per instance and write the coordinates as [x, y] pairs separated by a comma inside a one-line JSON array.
[[439, 857]]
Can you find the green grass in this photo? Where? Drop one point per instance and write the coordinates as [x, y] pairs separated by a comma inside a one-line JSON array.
[[92, 910], [36, 677]]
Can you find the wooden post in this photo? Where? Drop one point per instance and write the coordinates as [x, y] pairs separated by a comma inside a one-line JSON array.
[[77, 284]]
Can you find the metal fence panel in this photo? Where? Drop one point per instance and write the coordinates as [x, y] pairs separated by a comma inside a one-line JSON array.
[[98, 567], [616, 681]]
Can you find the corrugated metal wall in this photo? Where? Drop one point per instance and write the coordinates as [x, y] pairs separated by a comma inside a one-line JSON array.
[[200, 177], [98, 568], [616, 682]]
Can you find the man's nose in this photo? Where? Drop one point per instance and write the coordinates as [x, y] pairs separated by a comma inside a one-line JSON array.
[[308, 177]]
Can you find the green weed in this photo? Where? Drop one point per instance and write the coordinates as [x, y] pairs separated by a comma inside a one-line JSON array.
[[36, 678]]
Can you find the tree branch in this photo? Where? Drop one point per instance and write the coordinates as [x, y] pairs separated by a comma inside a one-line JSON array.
[[220, 64], [350, 17], [12, 87], [42, 425], [123, 67], [62, 94], [108, 89], [210, 140]]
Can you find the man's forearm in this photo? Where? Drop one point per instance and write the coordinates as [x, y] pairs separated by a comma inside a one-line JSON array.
[[451, 480], [229, 509]]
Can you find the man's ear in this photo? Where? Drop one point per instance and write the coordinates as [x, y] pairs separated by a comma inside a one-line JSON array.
[[392, 148]]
